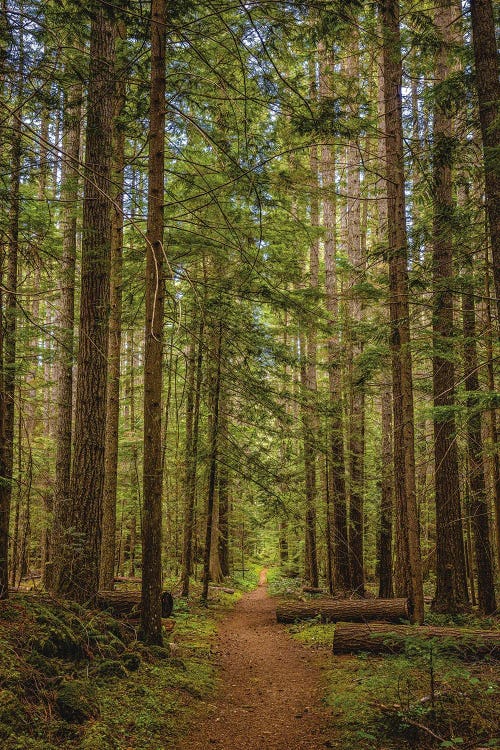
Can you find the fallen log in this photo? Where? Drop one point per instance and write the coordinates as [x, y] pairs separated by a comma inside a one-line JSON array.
[[224, 589], [128, 579], [128, 603], [345, 610], [383, 638], [312, 590]]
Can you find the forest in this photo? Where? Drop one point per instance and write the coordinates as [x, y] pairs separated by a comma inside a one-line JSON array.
[[249, 331]]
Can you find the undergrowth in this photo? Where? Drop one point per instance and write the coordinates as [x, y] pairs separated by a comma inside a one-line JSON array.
[[77, 679], [283, 585], [423, 698]]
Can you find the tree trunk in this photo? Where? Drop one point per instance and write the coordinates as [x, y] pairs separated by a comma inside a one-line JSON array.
[[213, 442], [65, 322], [151, 631], [8, 325], [451, 581], [356, 405], [223, 493], [492, 417], [311, 561], [336, 461], [386, 500], [479, 510], [108, 542], [310, 422], [77, 565], [385, 541], [407, 530], [488, 89], [345, 610], [194, 377]]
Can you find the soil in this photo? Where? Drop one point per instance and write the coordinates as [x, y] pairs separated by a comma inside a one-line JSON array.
[[270, 692]]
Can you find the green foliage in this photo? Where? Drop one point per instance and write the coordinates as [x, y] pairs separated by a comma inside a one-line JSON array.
[[280, 584], [401, 701]]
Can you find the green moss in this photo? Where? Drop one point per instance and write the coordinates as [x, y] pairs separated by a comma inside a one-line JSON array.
[[57, 635], [132, 660], [13, 715], [159, 652], [313, 634], [47, 649], [24, 742], [110, 668], [98, 736], [48, 667], [77, 701]]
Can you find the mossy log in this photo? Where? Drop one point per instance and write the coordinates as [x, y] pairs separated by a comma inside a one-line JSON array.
[[345, 610], [383, 638], [128, 603]]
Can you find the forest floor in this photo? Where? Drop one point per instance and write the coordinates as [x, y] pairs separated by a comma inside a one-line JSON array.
[[271, 689], [231, 678]]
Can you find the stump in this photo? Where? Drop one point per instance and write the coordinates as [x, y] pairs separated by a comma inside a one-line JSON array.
[[383, 638], [128, 603], [345, 610]]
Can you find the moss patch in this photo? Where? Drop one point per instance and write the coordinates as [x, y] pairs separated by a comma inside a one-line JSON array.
[[75, 679]]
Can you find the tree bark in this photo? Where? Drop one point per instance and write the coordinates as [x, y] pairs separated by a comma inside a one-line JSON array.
[[213, 442], [385, 540], [223, 488], [65, 322], [335, 430], [151, 630], [356, 407], [310, 422], [345, 610], [8, 326], [492, 417], [407, 529], [479, 509], [77, 563], [386, 590], [108, 542], [195, 372], [488, 89], [380, 638], [451, 580]]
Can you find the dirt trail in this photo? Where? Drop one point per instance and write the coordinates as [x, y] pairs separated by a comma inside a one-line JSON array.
[[270, 696]]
